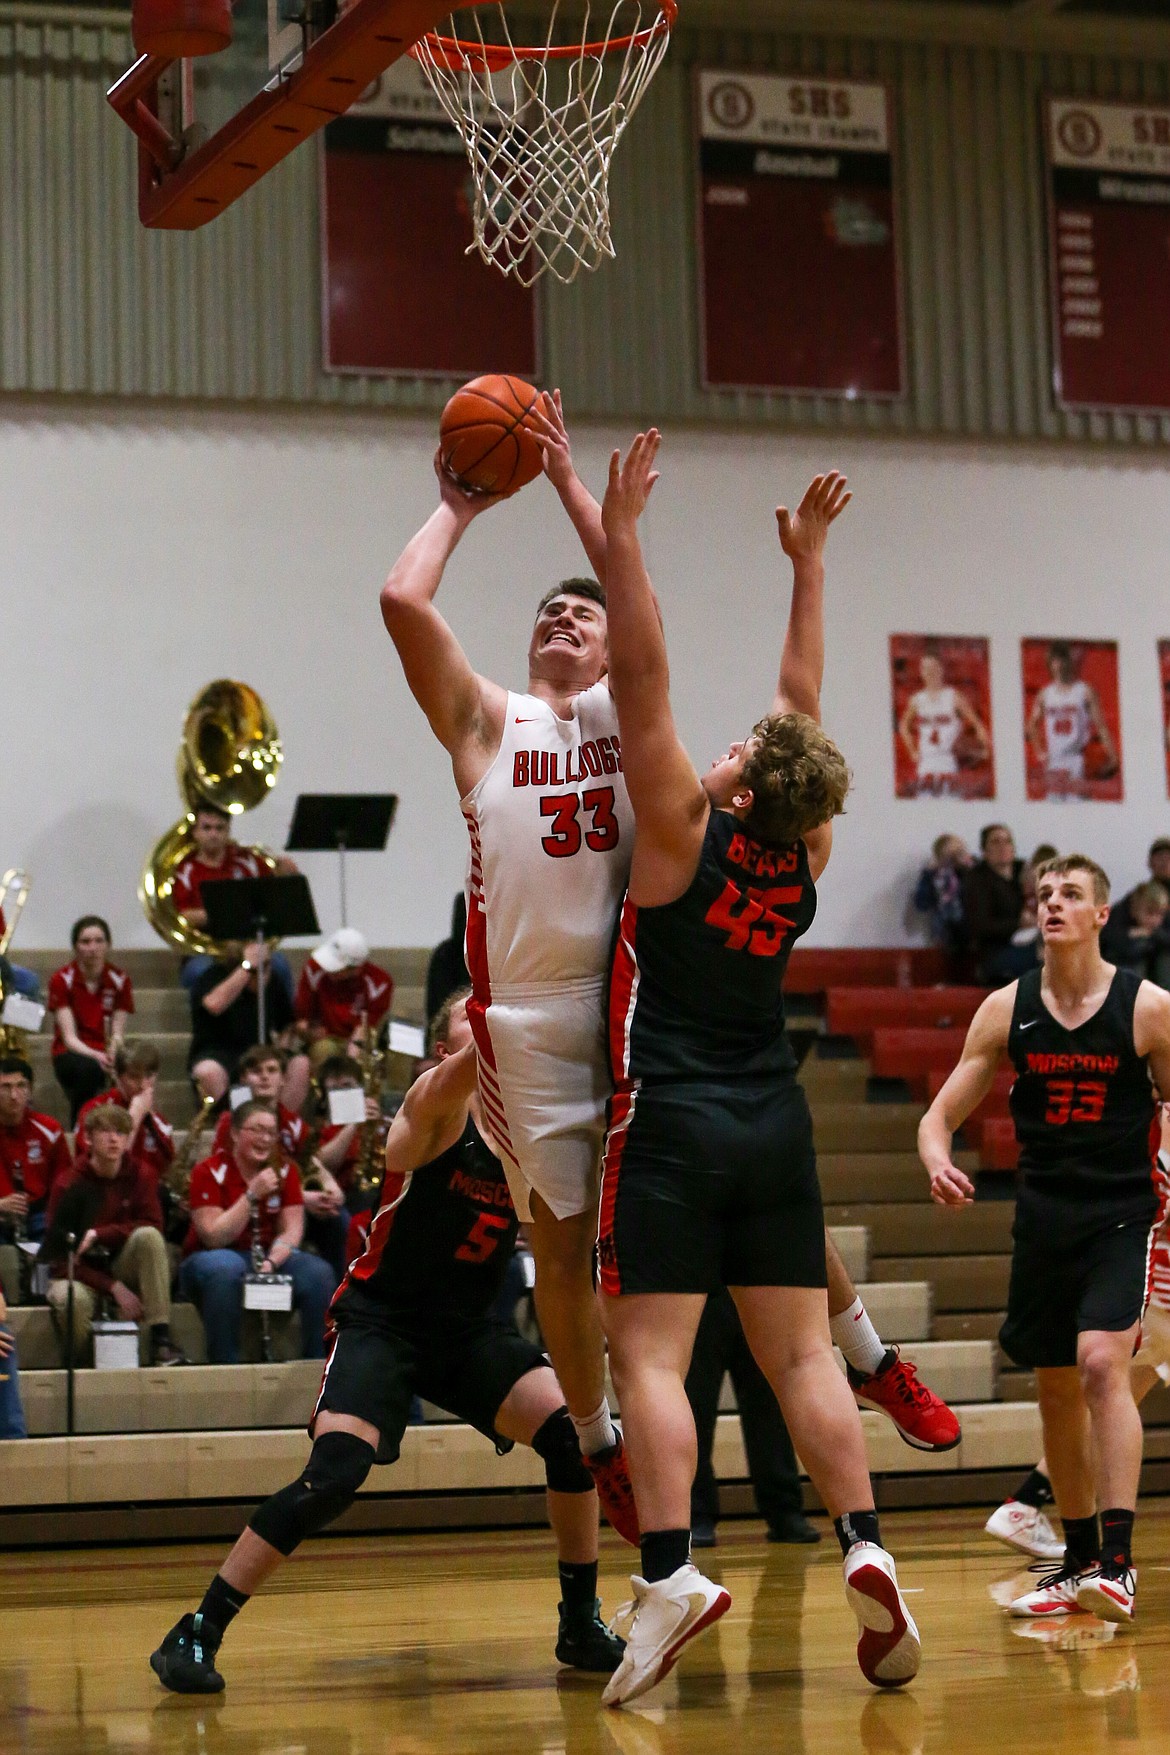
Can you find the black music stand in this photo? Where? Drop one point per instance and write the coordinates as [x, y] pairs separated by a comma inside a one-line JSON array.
[[76, 1211], [257, 909], [341, 823]]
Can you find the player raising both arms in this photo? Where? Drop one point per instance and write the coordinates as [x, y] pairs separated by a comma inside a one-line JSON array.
[[710, 1177], [1084, 1038], [411, 1318]]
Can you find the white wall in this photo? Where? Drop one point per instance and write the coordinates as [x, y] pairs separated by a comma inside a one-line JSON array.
[[149, 550]]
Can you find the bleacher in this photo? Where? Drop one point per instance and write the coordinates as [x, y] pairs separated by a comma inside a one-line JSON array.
[[186, 1451]]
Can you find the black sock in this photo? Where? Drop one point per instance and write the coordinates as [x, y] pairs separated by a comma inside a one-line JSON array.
[[857, 1526], [221, 1604], [578, 1584], [663, 1552], [1035, 1489], [159, 1332], [1082, 1544], [1116, 1540]]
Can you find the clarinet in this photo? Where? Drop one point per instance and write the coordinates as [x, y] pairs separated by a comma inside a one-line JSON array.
[[20, 1222], [257, 1266]]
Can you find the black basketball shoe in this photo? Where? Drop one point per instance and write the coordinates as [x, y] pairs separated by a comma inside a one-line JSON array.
[[584, 1642], [185, 1661]]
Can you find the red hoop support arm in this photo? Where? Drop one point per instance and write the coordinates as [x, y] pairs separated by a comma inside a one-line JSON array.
[[181, 193]]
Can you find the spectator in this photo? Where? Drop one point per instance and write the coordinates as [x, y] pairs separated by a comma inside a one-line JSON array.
[[152, 1142], [720, 1348], [216, 857], [939, 895], [993, 902], [91, 1000], [237, 1196], [225, 1023], [340, 994], [1138, 947], [1116, 940], [447, 970], [339, 1145], [123, 1254], [33, 1155], [262, 1070], [11, 1412], [14, 978]]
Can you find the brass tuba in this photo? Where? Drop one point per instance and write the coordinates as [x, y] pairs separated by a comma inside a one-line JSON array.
[[229, 756]]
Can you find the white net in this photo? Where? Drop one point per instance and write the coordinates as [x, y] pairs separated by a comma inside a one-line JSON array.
[[540, 124]]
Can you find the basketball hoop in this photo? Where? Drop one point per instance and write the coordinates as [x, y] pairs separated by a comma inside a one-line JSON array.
[[540, 125]]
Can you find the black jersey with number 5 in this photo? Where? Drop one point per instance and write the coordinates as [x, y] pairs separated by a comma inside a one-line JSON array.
[[695, 985], [1082, 1103], [442, 1247]]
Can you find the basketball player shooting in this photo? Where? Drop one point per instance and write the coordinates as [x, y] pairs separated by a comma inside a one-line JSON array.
[[1084, 1039], [710, 1177]]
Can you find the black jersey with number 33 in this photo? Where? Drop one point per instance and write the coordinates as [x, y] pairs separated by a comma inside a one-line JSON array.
[[695, 985], [1082, 1102]]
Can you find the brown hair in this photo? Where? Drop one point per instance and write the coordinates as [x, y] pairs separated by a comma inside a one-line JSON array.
[[259, 1055], [136, 1057], [82, 925], [797, 776], [245, 1111], [109, 1116], [573, 588], [339, 1066], [1070, 862], [440, 1027]]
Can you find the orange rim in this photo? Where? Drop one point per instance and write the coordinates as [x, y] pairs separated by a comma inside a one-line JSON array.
[[459, 56]]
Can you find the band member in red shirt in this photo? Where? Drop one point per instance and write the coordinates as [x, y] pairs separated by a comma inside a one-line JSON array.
[[262, 1070], [340, 993], [91, 999], [217, 856], [239, 1198], [152, 1143], [33, 1154]]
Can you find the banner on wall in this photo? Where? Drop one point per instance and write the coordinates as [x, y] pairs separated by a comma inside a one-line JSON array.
[[1109, 252], [940, 687], [798, 260], [1164, 673], [1072, 719], [400, 293]]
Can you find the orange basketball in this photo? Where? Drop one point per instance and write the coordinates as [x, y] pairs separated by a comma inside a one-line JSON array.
[[487, 444]]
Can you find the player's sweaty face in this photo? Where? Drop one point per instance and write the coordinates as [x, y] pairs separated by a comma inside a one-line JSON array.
[[1066, 910], [570, 629]]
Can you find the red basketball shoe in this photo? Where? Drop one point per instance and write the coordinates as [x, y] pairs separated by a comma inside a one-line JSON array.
[[611, 1477], [895, 1390]]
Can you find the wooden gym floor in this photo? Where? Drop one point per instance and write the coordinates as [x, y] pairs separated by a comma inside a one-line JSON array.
[[440, 1645]]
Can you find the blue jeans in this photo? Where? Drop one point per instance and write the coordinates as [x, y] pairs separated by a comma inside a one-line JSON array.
[[20, 980], [214, 1280], [11, 1412], [192, 968]]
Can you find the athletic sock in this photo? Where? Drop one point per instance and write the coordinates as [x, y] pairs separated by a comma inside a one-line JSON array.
[[857, 1526], [1116, 1540], [221, 1604], [578, 1585], [596, 1432], [663, 1552], [1035, 1490], [1082, 1544], [857, 1338]]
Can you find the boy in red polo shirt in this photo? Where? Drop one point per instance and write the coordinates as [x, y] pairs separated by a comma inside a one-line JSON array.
[[90, 999], [152, 1143], [33, 1153]]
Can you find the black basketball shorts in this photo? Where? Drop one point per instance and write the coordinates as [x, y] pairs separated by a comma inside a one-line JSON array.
[[710, 1184], [1071, 1273], [468, 1366]]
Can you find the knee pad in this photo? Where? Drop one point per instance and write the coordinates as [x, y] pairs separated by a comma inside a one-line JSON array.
[[336, 1468], [555, 1443]]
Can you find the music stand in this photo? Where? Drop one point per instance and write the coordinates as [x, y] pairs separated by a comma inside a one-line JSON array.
[[256, 909], [341, 823], [76, 1211]]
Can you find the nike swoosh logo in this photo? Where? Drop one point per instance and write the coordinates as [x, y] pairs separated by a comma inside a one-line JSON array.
[[1029, 1026], [531, 721]]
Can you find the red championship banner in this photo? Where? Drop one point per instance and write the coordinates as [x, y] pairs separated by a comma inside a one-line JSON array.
[[1072, 719], [940, 687], [1164, 674], [1109, 253], [400, 292], [797, 236]]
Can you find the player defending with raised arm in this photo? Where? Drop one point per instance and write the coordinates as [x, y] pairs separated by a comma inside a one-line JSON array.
[[1084, 1038], [709, 1174], [539, 777], [411, 1318]]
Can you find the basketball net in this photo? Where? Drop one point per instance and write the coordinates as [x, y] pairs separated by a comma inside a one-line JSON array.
[[540, 125]]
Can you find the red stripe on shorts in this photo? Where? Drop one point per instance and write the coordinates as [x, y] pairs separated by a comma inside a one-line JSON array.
[[622, 981], [621, 1114]]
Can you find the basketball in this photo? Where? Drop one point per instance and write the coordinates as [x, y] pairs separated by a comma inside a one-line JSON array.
[[485, 439]]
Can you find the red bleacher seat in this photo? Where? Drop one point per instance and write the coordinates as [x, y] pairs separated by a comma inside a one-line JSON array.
[[994, 1106], [814, 970], [998, 1148], [859, 1011], [912, 1054]]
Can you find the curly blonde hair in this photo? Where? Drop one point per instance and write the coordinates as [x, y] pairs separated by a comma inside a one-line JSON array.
[[797, 776]]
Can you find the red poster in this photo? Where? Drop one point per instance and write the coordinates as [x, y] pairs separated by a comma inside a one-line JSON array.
[[941, 692], [1109, 249], [1164, 673], [401, 294], [1072, 720], [797, 236]]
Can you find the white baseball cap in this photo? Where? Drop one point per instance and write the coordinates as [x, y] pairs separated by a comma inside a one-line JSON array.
[[344, 949]]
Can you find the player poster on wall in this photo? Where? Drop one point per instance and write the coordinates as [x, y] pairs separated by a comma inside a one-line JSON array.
[[797, 238], [1072, 719], [400, 293], [941, 692], [1164, 673]]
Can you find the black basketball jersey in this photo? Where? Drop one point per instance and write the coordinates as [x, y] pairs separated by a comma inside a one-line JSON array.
[[695, 985], [442, 1248], [1082, 1103]]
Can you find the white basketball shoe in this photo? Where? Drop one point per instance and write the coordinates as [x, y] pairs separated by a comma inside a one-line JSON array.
[[664, 1617], [1025, 1527], [889, 1650]]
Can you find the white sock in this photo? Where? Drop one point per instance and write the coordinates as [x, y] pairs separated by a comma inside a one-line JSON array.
[[857, 1338], [596, 1431]]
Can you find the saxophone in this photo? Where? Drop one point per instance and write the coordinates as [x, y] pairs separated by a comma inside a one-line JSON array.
[[370, 1167], [178, 1177]]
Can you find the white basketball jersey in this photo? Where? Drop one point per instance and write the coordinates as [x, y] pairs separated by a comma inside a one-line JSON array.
[[938, 723], [552, 833], [1068, 724]]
